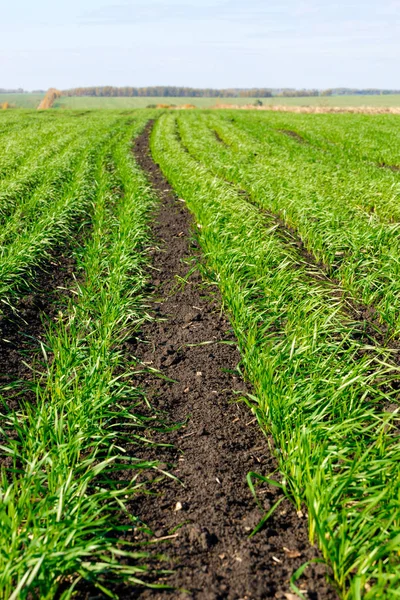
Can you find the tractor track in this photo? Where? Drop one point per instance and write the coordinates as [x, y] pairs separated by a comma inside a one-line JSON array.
[[202, 522]]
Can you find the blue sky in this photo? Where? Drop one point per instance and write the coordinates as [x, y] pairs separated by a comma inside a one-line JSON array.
[[199, 43]]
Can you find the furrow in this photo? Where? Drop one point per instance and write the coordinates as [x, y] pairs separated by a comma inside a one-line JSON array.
[[203, 521]]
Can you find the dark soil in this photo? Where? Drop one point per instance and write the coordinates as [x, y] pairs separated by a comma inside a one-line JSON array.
[[209, 513], [179, 136], [293, 134], [219, 138], [383, 165], [22, 327]]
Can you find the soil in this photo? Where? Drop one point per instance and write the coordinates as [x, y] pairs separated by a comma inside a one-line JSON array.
[[208, 512], [218, 137], [293, 134], [383, 165], [22, 327]]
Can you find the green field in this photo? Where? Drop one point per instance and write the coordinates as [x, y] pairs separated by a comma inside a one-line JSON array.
[[86, 102], [297, 218], [21, 100]]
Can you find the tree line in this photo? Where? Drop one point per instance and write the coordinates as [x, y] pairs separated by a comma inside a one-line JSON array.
[[6, 91], [358, 92], [183, 92], [188, 92], [166, 91]]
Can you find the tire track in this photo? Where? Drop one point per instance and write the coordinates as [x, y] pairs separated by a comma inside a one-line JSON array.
[[203, 523]]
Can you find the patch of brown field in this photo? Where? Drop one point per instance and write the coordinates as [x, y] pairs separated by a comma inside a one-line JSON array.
[[370, 110], [176, 106]]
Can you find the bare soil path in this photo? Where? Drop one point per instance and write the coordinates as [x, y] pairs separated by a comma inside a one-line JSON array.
[[208, 517]]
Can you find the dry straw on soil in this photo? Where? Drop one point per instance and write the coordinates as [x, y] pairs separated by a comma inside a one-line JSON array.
[[176, 106], [371, 110]]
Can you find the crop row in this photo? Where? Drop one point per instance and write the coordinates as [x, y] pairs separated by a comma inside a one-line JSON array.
[[326, 209], [371, 138], [61, 499], [367, 154], [320, 387], [44, 199]]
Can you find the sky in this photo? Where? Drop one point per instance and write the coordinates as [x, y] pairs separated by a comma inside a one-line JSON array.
[[200, 43]]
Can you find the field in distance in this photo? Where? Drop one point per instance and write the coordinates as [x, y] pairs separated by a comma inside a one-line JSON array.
[[88, 102], [21, 100]]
